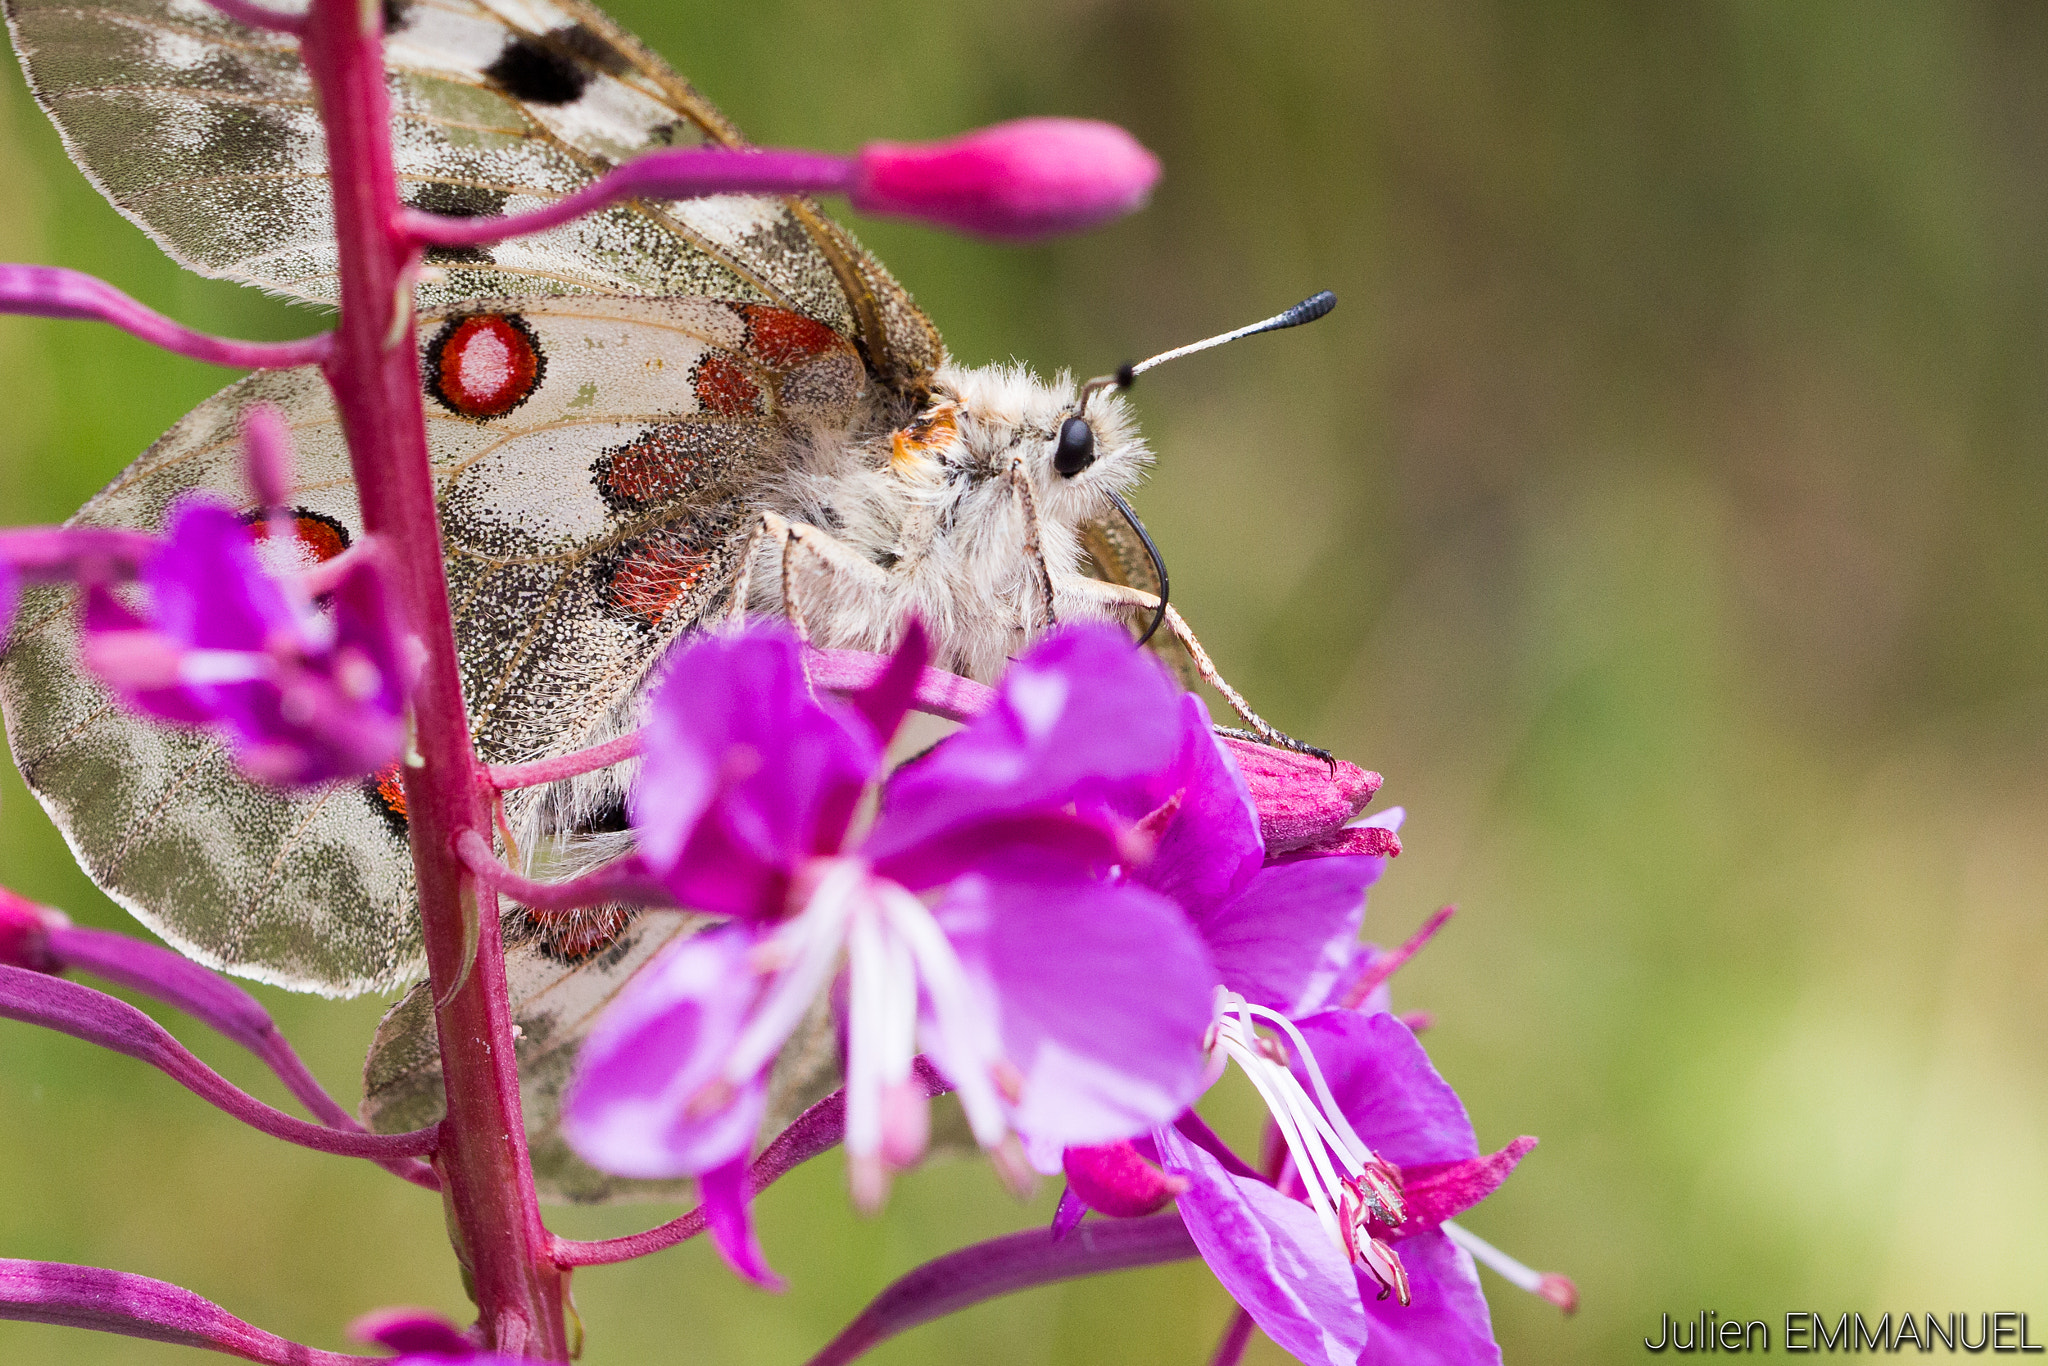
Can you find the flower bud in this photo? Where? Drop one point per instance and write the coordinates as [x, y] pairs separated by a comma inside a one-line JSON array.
[[1300, 798], [25, 933], [1023, 179], [1115, 1179]]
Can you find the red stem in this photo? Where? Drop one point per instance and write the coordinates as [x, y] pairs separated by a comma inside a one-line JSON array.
[[679, 173], [373, 371], [625, 882], [814, 1131], [505, 777], [142, 1307], [1003, 1266]]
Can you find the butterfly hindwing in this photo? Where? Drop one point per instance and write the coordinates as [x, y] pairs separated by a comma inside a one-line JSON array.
[[597, 460]]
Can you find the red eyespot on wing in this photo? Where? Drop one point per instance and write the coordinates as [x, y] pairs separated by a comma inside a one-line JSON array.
[[779, 338], [320, 537], [724, 388], [664, 463], [485, 365], [650, 576], [388, 797]]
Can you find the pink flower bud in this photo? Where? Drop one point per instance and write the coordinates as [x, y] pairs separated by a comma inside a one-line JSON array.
[[1022, 179], [25, 933], [1115, 1179], [1300, 798]]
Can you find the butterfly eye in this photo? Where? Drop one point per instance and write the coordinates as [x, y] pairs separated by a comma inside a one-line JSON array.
[[1076, 449]]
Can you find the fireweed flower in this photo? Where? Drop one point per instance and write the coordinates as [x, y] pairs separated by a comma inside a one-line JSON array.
[[1374, 1147], [1386, 1284], [300, 695], [974, 907]]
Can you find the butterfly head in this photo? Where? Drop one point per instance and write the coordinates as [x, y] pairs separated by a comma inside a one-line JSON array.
[[991, 421]]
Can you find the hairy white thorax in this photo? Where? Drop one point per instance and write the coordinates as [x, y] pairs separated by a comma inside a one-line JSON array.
[[935, 509]]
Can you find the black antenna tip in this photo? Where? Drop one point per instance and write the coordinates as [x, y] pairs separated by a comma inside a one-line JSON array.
[[1308, 310], [1127, 374]]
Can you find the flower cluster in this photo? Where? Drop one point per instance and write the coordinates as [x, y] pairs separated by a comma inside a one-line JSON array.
[[1071, 909]]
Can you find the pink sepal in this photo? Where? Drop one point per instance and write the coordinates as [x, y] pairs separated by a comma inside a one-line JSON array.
[[1438, 1191]]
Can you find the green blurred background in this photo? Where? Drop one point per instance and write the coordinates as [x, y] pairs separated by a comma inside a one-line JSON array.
[[1661, 511]]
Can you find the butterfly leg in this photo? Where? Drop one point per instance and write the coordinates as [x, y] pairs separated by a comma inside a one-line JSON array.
[[862, 588], [1138, 604], [1027, 505]]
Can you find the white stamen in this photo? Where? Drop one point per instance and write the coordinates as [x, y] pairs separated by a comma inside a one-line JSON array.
[[955, 1014], [1327, 1152], [813, 938], [1516, 1274]]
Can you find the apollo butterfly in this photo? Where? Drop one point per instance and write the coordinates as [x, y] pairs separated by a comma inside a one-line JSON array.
[[640, 422]]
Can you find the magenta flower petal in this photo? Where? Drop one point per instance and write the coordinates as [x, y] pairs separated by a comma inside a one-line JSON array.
[[885, 702], [1102, 994], [744, 774], [411, 1332], [1080, 712], [1210, 847], [1445, 1324], [301, 696], [1026, 178], [1292, 925], [1384, 1083], [648, 1099], [724, 1189], [1273, 1256], [1035, 846]]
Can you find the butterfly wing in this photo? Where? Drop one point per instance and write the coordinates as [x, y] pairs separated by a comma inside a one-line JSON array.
[[203, 132], [597, 460], [554, 1006]]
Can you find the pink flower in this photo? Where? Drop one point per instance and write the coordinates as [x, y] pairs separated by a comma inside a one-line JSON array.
[[301, 695], [976, 911]]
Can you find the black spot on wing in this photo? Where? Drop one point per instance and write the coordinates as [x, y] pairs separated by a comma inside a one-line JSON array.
[[397, 14], [593, 47], [456, 201], [529, 71]]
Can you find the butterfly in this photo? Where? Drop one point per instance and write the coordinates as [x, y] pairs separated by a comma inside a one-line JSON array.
[[640, 423]]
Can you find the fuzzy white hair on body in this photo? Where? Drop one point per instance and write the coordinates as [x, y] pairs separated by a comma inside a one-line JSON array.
[[934, 524]]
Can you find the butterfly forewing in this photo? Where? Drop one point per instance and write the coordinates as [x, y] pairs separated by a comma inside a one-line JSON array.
[[204, 133], [597, 460]]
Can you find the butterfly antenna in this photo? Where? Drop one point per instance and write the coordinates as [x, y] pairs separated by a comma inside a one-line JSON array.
[[1307, 311]]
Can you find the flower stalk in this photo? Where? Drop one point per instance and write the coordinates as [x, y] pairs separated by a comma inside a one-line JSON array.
[[373, 372]]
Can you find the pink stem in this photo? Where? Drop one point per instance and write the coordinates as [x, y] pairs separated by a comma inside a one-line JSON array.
[[140, 1307], [260, 16], [505, 777], [816, 1130], [1003, 1266], [54, 292], [57, 554], [938, 692], [213, 1000], [487, 1176], [97, 1018], [679, 173], [625, 881], [1387, 964], [1230, 1347]]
